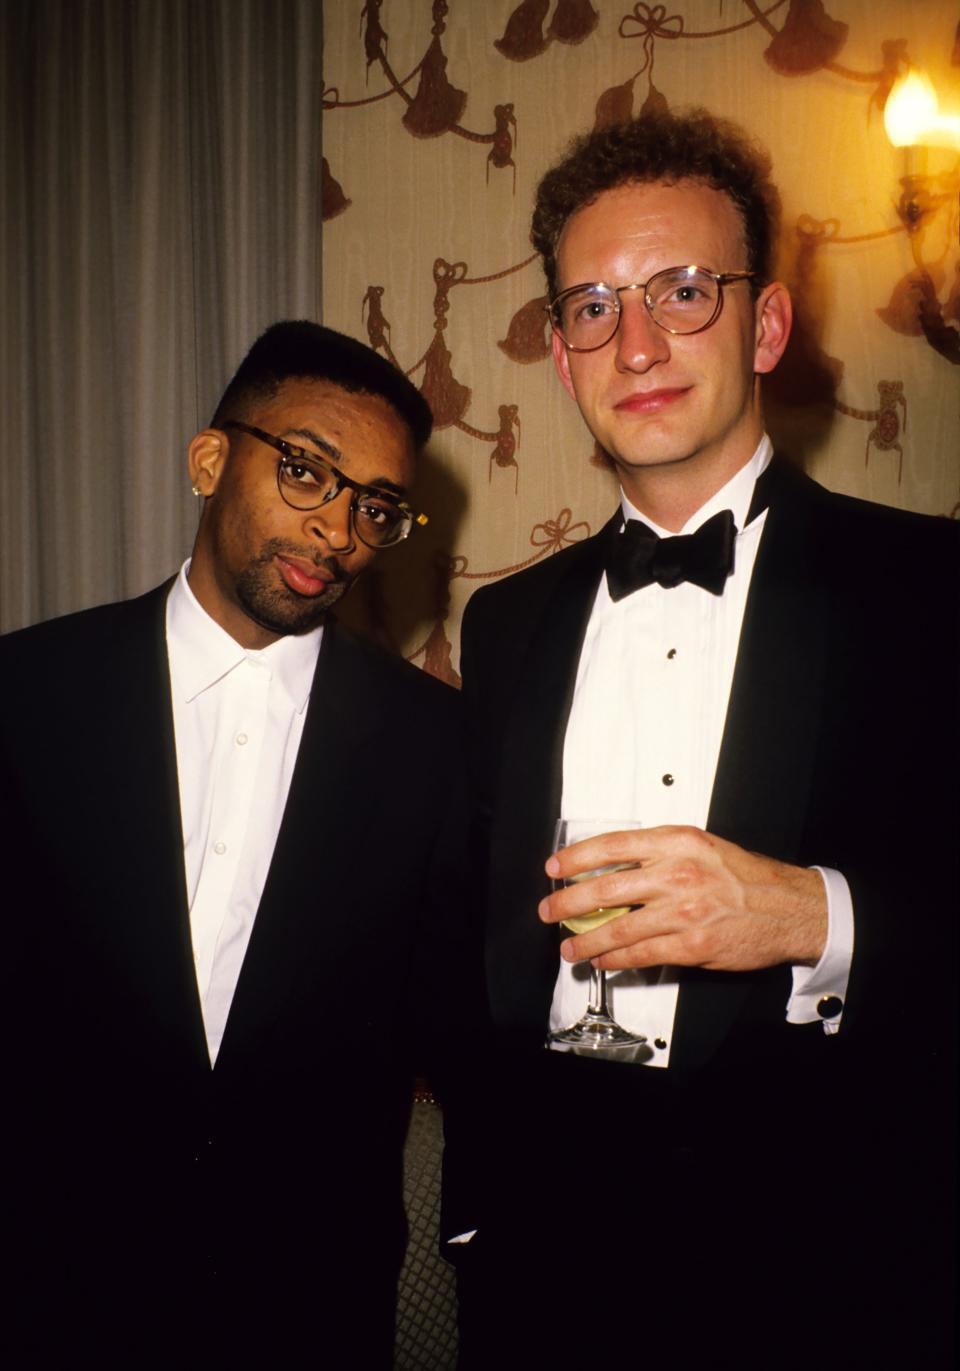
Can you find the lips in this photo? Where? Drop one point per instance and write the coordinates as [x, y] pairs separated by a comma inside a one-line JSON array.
[[651, 401], [304, 577]]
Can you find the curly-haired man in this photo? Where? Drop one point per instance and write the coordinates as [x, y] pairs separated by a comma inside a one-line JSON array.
[[749, 1173]]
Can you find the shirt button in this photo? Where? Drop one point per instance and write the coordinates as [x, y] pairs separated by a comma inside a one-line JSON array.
[[219, 848], [671, 654], [667, 779], [660, 1042], [241, 739]]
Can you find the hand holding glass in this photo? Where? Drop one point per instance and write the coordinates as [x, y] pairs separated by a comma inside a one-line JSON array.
[[597, 1028]]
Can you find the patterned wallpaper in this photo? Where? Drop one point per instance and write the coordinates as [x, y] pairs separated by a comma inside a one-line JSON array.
[[439, 118]]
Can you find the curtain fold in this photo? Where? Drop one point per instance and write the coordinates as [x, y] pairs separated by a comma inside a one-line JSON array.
[[160, 180]]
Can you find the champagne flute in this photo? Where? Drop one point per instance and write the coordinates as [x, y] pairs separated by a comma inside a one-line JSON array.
[[597, 1029]]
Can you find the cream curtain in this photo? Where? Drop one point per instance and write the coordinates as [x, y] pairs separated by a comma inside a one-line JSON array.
[[160, 178]]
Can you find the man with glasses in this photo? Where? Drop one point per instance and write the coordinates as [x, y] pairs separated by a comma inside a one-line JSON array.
[[232, 828], [764, 675]]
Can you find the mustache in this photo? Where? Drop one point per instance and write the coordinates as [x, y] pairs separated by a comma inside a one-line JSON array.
[[284, 547]]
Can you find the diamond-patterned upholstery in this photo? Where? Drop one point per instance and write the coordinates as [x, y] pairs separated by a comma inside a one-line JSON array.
[[426, 1336]]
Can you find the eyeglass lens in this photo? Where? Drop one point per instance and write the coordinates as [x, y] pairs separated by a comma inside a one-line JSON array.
[[682, 300], [308, 485]]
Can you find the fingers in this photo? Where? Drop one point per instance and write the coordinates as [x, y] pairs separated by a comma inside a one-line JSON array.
[[665, 951], [628, 886], [697, 902], [632, 847], [626, 869], [607, 849], [632, 934]]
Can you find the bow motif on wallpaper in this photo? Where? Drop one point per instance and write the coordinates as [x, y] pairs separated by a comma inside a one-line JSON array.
[[547, 537], [553, 534]]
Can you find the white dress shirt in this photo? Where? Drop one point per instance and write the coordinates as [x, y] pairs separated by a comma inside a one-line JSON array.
[[643, 740], [238, 719]]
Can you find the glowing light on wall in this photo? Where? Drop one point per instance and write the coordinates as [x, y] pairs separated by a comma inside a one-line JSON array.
[[912, 115]]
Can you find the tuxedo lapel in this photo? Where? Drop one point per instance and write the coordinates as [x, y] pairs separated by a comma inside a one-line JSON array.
[[531, 788], [133, 827], [319, 854], [764, 771]]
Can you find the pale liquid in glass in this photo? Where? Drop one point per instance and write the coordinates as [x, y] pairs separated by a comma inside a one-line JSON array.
[[583, 923]]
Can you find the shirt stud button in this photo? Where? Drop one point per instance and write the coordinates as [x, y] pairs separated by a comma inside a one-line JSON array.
[[667, 778], [660, 1042], [671, 654]]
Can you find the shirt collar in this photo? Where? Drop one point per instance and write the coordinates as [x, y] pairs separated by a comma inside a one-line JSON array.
[[735, 495], [202, 653]]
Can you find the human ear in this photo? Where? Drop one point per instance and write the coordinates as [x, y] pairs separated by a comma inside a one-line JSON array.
[[561, 360], [206, 457], [774, 319]]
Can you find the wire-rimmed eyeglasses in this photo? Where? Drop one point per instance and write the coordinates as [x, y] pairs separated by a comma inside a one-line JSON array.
[[680, 300], [307, 481]]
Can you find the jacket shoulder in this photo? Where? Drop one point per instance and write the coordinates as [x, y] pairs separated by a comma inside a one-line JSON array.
[[393, 674], [522, 591], [86, 630], [871, 516], [899, 545], [862, 533]]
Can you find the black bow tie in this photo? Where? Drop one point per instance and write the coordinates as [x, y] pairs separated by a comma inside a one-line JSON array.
[[637, 557]]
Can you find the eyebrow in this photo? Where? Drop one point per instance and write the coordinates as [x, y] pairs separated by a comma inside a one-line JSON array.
[[325, 447], [335, 455]]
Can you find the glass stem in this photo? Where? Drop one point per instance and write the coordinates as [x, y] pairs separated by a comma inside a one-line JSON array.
[[598, 993]]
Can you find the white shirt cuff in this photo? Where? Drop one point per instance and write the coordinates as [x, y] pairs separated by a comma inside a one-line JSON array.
[[816, 987]]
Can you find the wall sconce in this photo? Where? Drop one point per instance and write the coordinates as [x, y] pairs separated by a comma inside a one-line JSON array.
[[912, 115], [912, 119]]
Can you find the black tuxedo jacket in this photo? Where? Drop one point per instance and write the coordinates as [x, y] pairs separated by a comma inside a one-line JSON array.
[[840, 749], [263, 1196]]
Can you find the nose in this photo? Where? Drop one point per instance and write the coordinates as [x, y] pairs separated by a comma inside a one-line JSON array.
[[640, 343], [333, 522]]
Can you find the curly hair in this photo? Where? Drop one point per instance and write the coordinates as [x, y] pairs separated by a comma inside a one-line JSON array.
[[669, 146]]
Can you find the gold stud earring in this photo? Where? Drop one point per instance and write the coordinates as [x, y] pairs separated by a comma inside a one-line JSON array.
[[196, 490]]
